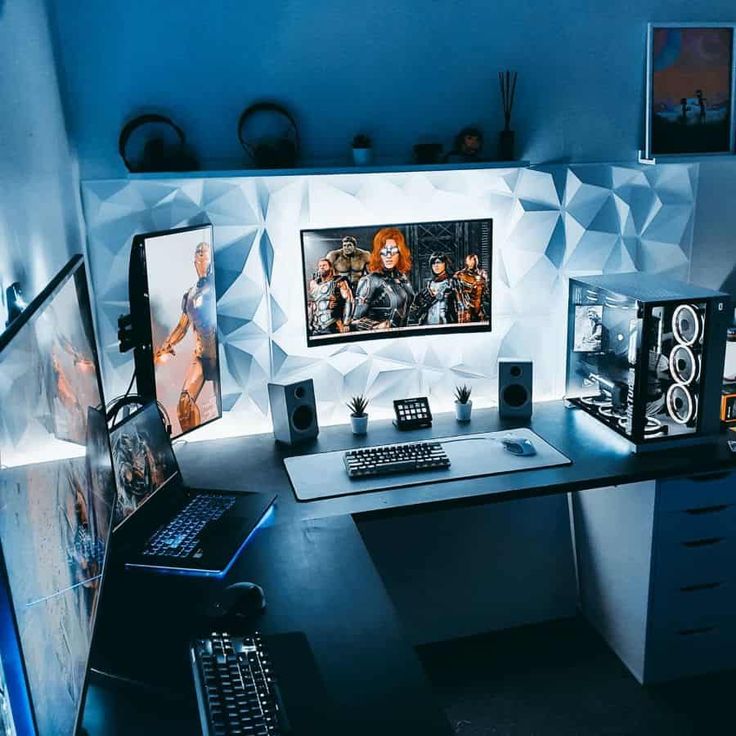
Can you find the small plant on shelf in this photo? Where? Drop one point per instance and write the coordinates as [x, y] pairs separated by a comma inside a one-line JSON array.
[[362, 149], [358, 416], [463, 404], [362, 141]]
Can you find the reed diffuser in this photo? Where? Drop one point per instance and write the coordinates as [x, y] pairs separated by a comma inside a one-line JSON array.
[[507, 82]]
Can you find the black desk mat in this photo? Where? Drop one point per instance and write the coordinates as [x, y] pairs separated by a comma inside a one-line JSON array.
[[323, 475]]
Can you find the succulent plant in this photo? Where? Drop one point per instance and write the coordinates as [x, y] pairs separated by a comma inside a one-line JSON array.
[[357, 405], [361, 141], [462, 393]]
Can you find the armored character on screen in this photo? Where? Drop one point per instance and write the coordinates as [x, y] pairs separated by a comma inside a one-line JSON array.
[[330, 302], [198, 311], [349, 261], [437, 303], [138, 472], [384, 296], [473, 283]]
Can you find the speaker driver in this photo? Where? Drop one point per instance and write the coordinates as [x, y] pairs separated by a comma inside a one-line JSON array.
[[684, 364], [686, 324], [680, 403]]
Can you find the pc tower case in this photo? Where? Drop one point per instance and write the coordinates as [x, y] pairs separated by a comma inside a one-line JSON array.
[[645, 356]]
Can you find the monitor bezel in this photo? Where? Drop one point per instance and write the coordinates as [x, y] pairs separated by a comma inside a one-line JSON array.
[[349, 338], [139, 298]]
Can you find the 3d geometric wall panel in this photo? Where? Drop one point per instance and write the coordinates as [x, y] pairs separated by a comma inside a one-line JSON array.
[[549, 224]]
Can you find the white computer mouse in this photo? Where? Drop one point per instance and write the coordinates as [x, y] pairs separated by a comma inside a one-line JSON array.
[[518, 445]]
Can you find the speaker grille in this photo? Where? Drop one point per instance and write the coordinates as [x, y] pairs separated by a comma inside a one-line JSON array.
[[302, 418], [515, 395]]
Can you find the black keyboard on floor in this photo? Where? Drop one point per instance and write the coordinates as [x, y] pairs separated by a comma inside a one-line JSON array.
[[236, 689], [389, 459], [180, 536]]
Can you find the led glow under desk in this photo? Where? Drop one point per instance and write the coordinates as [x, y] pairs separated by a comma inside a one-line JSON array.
[[655, 545]]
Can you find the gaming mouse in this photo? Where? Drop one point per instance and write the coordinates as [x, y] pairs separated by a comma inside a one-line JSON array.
[[238, 600], [518, 445]]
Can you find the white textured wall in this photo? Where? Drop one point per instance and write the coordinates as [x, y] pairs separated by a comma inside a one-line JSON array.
[[548, 225]]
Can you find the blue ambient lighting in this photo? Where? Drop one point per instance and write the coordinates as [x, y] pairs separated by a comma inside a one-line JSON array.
[[12, 664], [266, 520]]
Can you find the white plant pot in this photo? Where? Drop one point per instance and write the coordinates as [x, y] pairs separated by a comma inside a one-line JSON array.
[[463, 411], [362, 156], [359, 424]]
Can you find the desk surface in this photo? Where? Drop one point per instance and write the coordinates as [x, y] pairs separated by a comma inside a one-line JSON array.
[[320, 581], [599, 458]]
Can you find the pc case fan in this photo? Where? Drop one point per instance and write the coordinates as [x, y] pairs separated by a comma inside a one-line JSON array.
[[655, 343]]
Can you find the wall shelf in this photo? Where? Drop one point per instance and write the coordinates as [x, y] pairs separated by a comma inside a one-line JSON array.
[[330, 170]]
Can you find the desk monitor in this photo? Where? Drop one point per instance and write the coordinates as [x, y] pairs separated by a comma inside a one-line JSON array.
[[424, 278], [173, 310], [57, 493], [143, 458]]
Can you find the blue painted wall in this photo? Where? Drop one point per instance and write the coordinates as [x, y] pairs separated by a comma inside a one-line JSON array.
[[402, 70], [40, 214]]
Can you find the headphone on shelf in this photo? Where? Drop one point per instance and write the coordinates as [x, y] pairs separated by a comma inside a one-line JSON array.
[[157, 155], [270, 151]]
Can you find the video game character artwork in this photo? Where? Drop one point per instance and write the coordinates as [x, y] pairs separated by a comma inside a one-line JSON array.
[[181, 282], [421, 278], [691, 90], [142, 459]]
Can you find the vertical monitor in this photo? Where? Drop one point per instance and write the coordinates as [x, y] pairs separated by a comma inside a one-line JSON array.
[[424, 278], [57, 493], [143, 459], [173, 307]]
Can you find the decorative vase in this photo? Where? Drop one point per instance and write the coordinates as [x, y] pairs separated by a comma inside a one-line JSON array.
[[506, 145], [463, 411], [362, 156], [359, 424]]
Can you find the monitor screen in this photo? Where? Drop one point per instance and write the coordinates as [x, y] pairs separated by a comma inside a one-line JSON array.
[[391, 280], [143, 459], [57, 492], [177, 282]]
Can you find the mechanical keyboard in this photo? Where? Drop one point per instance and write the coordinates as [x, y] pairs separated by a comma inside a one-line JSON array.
[[236, 689], [180, 536], [388, 459]]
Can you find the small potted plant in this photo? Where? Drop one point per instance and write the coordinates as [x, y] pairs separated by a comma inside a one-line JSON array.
[[362, 150], [463, 404], [358, 416]]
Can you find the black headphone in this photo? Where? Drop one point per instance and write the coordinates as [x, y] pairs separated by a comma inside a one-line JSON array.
[[156, 156], [270, 153]]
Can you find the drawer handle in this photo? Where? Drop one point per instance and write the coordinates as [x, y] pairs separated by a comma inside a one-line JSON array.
[[703, 542], [700, 586], [707, 477], [696, 632], [708, 509]]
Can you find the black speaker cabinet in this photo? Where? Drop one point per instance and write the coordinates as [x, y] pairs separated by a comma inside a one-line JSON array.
[[293, 411], [515, 378]]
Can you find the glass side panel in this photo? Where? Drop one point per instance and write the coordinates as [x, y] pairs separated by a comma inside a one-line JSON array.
[[673, 382], [603, 347]]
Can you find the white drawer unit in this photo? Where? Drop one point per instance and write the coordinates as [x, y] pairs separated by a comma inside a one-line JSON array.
[[657, 572]]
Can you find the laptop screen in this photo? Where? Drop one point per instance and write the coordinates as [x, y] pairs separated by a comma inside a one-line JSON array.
[[143, 458]]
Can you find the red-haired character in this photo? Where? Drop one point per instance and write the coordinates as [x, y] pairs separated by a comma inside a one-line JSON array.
[[385, 295]]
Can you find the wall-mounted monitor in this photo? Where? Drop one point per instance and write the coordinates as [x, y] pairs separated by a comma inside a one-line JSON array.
[[392, 280], [57, 492], [174, 314]]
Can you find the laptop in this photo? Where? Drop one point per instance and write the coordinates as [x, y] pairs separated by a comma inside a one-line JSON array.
[[162, 524]]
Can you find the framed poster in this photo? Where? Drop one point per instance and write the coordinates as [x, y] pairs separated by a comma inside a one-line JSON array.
[[689, 89]]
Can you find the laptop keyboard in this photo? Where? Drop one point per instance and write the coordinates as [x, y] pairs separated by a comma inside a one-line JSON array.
[[180, 536]]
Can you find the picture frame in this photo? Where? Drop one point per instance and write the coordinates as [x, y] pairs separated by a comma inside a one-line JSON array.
[[689, 89]]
